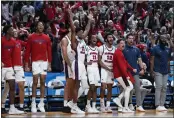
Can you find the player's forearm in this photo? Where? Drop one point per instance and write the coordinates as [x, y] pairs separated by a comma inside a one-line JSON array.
[[140, 63], [85, 34], [103, 65]]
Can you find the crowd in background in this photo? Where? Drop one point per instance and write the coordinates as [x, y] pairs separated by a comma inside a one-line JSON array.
[[148, 25], [145, 19]]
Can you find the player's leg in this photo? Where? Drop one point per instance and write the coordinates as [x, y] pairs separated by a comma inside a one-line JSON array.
[[109, 95], [36, 72], [20, 80], [104, 76], [4, 97], [117, 100], [91, 80], [110, 83], [21, 94]]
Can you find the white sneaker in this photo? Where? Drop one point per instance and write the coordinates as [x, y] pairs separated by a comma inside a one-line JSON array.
[[108, 110], [102, 109], [140, 108], [15, 111], [127, 110], [120, 109], [131, 107], [76, 110], [70, 104], [95, 110], [159, 108], [33, 108], [117, 101], [41, 107], [89, 109], [164, 109]]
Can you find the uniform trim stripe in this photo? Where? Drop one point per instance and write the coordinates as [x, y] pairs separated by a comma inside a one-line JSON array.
[[76, 66], [76, 70], [66, 70]]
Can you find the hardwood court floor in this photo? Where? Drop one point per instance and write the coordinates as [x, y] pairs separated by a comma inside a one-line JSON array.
[[148, 113]]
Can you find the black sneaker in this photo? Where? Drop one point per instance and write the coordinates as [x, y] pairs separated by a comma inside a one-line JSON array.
[[66, 109], [3, 111]]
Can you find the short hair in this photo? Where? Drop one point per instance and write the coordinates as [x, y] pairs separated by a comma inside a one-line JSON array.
[[107, 34], [78, 29], [119, 40], [39, 22], [130, 34], [6, 28]]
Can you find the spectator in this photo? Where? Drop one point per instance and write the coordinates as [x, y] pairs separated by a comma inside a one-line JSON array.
[[5, 12], [26, 11], [49, 11]]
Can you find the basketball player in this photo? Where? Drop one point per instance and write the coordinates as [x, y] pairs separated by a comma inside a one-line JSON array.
[[121, 73], [19, 72], [8, 50], [93, 73], [69, 56], [106, 52], [78, 67], [39, 47]]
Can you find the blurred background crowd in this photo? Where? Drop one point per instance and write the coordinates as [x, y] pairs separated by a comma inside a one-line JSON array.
[[145, 19]]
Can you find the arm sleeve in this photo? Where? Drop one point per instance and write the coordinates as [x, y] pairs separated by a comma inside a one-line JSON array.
[[138, 53], [13, 54], [28, 50], [129, 67], [49, 50], [23, 43], [100, 37], [120, 63]]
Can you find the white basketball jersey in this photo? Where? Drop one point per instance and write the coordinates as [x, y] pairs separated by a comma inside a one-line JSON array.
[[70, 52], [81, 48], [107, 55], [92, 56]]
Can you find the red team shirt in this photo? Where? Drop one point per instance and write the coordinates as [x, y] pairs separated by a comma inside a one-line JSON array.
[[17, 57], [7, 50], [39, 46], [120, 66]]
